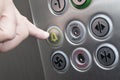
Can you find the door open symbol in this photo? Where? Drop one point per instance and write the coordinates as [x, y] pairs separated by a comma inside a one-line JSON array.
[[100, 27]]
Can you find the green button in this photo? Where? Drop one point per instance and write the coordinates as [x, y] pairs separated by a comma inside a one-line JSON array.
[[56, 36], [81, 4]]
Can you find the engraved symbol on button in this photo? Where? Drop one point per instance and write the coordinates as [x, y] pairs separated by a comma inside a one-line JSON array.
[[58, 5], [53, 37], [58, 62], [100, 27], [105, 55]]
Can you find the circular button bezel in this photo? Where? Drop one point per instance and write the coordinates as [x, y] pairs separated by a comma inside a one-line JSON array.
[[110, 27], [114, 49], [66, 59], [70, 36], [57, 12], [83, 5], [60, 34], [80, 66]]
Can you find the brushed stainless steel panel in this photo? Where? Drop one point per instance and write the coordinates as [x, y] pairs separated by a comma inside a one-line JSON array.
[[44, 19]]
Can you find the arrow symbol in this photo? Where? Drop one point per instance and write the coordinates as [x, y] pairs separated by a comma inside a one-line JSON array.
[[105, 56], [100, 27]]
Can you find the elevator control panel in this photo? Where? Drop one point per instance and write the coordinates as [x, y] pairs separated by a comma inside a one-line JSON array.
[[84, 41]]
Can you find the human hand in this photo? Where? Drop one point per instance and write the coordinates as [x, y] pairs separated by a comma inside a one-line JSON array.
[[14, 27]]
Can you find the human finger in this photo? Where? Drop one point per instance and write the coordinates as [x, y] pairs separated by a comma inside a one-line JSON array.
[[33, 30]]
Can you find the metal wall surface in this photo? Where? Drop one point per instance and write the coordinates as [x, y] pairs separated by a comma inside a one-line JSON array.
[[61, 52], [22, 63]]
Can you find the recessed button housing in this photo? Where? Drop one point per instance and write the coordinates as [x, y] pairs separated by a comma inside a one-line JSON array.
[[56, 36], [107, 56], [81, 59], [75, 32], [58, 6], [101, 27], [60, 61]]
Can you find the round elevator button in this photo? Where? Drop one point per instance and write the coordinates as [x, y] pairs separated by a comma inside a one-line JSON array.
[[81, 4], [81, 59], [107, 56], [101, 27], [58, 6], [56, 36], [60, 61], [75, 32]]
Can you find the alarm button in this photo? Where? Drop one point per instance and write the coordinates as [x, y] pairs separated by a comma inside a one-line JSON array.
[[56, 36]]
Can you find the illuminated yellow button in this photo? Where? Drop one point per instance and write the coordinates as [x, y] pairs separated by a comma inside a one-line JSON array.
[[56, 36], [53, 37]]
